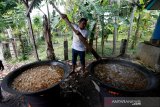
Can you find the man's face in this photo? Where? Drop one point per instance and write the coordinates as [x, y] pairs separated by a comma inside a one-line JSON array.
[[82, 24]]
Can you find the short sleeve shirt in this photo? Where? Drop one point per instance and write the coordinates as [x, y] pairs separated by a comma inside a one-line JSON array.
[[77, 44]]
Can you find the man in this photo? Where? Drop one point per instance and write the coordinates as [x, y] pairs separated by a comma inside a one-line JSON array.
[[77, 46]]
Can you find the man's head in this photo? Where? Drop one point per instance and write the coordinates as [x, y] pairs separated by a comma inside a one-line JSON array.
[[82, 23]]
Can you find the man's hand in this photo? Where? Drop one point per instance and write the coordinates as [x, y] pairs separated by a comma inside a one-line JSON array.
[[64, 16], [77, 32]]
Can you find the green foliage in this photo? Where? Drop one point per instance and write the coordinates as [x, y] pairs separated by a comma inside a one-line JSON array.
[[24, 53], [37, 21], [6, 54], [38, 26], [6, 5], [40, 41], [141, 1], [2, 37], [23, 57], [18, 17], [55, 22]]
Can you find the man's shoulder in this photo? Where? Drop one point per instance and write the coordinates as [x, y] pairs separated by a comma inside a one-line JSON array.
[[74, 25], [85, 30]]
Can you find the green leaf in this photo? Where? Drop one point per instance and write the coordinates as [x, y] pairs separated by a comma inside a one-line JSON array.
[[141, 1]]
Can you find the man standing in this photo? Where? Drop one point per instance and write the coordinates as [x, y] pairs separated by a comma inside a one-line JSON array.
[[78, 48]]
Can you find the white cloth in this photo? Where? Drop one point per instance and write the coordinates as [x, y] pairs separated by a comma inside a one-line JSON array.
[[76, 43]]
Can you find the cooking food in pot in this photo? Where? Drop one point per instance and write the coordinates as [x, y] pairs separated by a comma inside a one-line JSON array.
[[38, 78], [121, 76]]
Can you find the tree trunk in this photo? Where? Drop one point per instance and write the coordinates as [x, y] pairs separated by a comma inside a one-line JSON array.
[[123, 47], [136, 33], [32, 36], [92, 35], [97, 33], [6, 51], [28, 36], [48, 14], [21, 44], [65, 45], [65, 50], [10, 34], [131, 24], [115, 36], [102, 34], [47, 36], [14, 47], [31, 31]]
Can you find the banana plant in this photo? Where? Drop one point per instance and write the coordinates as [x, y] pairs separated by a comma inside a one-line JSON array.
[[29, 7], [19, 29], [5, 6]]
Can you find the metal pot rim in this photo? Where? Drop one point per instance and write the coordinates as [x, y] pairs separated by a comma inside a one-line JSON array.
[[6, 82], [153, 80]]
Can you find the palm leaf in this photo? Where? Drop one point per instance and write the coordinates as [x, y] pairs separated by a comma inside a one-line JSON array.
[[36, 3]]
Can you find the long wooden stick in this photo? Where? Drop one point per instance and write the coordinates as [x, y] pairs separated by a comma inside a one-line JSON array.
[[83, 40]]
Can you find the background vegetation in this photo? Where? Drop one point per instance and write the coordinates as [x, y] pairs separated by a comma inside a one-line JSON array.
[[109, 21]]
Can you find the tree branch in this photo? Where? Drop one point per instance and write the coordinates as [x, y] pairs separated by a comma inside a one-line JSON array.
[[25, 2], [41, 10], [30, 7]]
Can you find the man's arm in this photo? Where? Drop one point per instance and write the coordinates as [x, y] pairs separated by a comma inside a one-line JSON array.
[[64, 16]]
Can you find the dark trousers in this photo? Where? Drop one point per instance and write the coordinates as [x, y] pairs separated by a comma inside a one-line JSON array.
[[75, 54]]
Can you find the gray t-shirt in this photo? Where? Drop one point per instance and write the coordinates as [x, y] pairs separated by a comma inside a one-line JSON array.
[[77, 44]]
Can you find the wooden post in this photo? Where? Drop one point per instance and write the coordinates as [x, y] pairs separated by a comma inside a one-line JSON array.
[[123, 47], [65, 50], [14, 47], [6, 50], [48, 39], [115, 37]]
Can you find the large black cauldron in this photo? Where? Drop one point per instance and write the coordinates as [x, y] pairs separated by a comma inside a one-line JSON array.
[[153, 81], [7, 81]]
